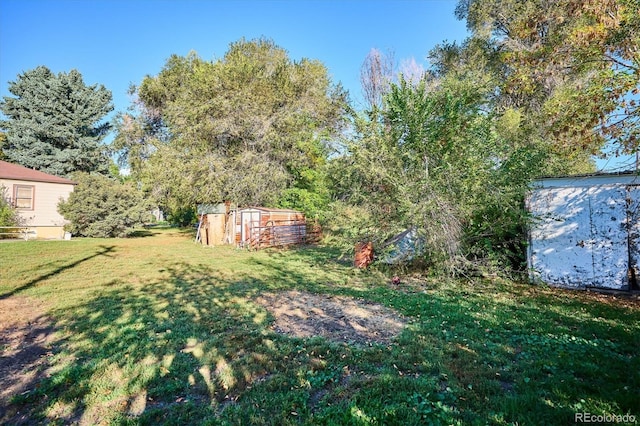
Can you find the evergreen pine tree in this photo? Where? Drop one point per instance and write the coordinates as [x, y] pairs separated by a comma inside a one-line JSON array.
[[54, 122]]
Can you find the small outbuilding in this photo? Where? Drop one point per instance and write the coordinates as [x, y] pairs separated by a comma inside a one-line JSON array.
[[585, 231], [251, 227], [216, 224], [259, 227], [35, 195]]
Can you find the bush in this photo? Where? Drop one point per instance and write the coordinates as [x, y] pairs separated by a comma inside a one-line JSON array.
[[102, 207], [182, 217], [8, 214]]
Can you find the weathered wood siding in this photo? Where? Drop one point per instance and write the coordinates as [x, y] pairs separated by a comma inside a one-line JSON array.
[[260, 227]]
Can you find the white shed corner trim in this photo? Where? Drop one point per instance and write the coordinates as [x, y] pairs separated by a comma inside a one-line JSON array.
[[585, 231]]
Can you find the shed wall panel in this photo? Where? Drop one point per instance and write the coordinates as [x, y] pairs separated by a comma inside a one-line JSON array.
[[609, 236], [633, 212], [561, 249], [586, 232]]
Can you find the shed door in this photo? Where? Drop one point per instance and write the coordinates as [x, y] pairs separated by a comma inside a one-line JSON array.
[[249, 220]]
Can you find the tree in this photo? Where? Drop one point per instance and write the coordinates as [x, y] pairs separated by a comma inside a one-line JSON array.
[[251, 127], [3, 141], [441, 158], [425, 166], [102, 207], [54, 122], [571, 67], [376, 75]]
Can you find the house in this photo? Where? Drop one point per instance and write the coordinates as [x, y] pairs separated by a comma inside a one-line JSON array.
[[586, 231], [36, 195]]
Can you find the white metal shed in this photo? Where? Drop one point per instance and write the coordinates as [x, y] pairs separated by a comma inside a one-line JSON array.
[[586, 231]]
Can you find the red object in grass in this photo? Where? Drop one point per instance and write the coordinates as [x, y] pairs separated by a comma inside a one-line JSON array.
[[364, 255]]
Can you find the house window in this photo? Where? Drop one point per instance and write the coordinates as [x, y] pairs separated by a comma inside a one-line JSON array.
[[23, 196]]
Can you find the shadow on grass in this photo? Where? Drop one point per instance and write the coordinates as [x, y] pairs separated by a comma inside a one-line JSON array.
[[182, 350], [104, 251], [193, 348], [313, 255], [142, 233], [24, 350], [185, 347]]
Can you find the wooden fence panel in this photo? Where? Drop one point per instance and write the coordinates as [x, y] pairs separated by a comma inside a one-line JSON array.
[[281, 233]]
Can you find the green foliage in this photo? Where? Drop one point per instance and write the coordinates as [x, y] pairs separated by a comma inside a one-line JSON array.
[[571, 66], [103, 207], [251, 127], [310, 193], [434, 162], [182, 217], [3, 142], [349, 224], [8, 215], [54, 122]]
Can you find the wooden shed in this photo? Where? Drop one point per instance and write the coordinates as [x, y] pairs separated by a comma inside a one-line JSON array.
[[216, 224], [586, 231], [253, 227], [259, 227]]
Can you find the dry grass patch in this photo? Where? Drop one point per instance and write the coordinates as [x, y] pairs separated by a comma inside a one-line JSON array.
[[336, 318]]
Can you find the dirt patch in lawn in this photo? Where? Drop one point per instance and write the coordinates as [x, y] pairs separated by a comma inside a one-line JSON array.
[[336, 318], [26, 337]]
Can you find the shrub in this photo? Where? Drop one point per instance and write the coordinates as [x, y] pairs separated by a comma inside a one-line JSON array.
[[8, 215], [102, 207], [182, 217]]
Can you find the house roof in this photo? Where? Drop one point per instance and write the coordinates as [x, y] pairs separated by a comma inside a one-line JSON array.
[[16, 172]]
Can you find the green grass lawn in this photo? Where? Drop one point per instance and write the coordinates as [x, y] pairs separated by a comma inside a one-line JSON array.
[[158, 329]]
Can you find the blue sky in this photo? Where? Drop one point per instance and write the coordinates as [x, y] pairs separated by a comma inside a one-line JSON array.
[[118, 42]]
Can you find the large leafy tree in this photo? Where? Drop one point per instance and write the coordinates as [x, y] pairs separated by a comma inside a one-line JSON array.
[[252, 127], [571, 68], [432, 163], [54, 122], [441, 157]]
